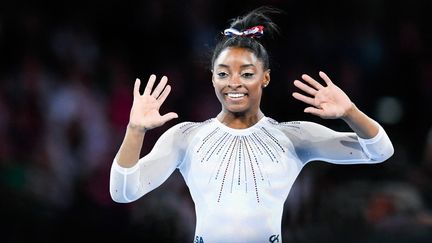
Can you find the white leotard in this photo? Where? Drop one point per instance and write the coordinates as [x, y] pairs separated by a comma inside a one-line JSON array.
[[239, 178]]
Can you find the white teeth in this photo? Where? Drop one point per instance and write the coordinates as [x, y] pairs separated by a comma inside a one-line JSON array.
[[235, 95]]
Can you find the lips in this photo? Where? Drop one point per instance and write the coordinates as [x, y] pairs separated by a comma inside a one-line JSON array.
[[235, 95]]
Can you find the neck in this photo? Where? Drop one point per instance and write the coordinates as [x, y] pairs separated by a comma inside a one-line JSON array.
[[239, 121]]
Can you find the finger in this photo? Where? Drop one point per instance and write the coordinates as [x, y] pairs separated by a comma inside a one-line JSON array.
[[160, 87], [312, 82], [314, 111], [136, 87], [169, 116], [304, 98], [304, 87], [325, 78], [149, 86], [164, 94]]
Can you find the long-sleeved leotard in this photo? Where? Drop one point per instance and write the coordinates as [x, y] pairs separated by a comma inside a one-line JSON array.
[[239, 179]]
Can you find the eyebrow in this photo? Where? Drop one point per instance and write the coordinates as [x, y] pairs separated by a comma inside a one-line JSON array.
[[242, 66]]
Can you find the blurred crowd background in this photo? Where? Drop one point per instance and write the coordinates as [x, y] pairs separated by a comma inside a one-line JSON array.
[[67, 70]]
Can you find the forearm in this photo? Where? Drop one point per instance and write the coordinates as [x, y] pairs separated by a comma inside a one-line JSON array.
[[129, 180], [129, 152], [360, 123]]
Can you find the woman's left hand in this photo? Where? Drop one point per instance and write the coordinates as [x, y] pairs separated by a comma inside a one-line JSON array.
[[328, 102]]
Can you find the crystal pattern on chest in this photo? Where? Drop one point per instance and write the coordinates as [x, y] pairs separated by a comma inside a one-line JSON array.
[[239, 158]]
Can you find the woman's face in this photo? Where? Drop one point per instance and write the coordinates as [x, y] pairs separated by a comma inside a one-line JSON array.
[[238, 78]]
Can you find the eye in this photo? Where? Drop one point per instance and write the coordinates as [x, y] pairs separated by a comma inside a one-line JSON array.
[[247, 75], [222, 74]]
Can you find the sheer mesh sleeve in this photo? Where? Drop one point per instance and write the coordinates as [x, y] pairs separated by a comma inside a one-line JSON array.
[[129, 184], [316, 142]]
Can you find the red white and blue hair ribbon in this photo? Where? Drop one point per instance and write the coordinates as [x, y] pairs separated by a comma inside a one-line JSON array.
[[253, 32]]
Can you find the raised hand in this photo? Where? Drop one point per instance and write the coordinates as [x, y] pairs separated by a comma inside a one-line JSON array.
[[328, 101], [145, 114]]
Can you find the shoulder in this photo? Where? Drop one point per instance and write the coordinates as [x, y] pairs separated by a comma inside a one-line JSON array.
[[187, 128], [294, 125], [298, 127]]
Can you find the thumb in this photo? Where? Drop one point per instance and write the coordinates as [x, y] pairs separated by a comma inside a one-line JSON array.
[[169, 116], [314, 111]]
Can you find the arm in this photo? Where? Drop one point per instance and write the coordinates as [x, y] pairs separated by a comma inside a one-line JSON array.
[[130, 183], [144, 116], [330, 102], [313, 141]]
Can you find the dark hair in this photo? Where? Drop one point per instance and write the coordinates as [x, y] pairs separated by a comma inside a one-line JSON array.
[[258, 16]]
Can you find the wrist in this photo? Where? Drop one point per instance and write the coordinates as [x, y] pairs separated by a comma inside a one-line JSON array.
[[136, 128], [350, 112]]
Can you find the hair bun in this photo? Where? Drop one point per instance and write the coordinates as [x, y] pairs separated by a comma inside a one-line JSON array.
[[257, 17]]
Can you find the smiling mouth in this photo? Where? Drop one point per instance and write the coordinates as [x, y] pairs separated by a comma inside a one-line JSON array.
[[235, 95]]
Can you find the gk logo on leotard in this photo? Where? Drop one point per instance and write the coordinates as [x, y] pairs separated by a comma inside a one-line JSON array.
[[198, 239], [274, 238]]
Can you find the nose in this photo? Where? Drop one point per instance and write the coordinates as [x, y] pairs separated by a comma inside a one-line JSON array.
[[234, 85], [234, 82]]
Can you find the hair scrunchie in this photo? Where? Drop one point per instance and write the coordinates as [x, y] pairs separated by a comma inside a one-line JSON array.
[[253, 32]]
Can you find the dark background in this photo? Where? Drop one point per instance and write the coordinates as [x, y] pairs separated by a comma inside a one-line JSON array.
[[66, 76]]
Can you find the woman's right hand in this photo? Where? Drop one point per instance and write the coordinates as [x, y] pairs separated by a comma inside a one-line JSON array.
[[145, 114]]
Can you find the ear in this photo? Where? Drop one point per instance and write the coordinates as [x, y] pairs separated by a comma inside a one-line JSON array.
[[266, 79]]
